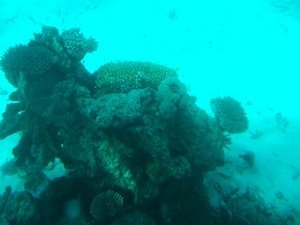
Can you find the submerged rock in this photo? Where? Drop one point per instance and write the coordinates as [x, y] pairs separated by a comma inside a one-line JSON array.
[[133, 142]]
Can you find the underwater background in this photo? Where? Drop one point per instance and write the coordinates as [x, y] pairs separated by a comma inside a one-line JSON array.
[[248, 50]]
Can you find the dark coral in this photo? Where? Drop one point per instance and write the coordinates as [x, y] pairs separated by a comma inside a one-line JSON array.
[[106, 205], [12, 120], [12, 63], [134, 218], [28, 61], [229, 114], [18, 208], [185, 203], [162, 171]]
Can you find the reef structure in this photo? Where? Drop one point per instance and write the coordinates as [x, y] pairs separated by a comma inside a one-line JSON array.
[[133, 141]]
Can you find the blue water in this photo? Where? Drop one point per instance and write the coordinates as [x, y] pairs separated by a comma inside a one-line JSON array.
[[245, 49]]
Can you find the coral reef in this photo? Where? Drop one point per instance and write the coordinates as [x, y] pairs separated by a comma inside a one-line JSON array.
[[133, 142]]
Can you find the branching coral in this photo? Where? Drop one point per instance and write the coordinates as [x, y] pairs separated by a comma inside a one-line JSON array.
[[76, 45]]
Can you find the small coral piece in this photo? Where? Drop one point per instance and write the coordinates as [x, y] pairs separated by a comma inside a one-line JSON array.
[[106, 205], [256, 134], [248, 157], [125, 76], [281, 122], [76, 44], [229, 114]]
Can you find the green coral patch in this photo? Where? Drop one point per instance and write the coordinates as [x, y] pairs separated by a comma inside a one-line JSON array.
[[129, 75]]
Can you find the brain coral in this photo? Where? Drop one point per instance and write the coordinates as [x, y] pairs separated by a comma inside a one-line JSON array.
[[125, 76], [32, 60], [229, 114], [106, 205]]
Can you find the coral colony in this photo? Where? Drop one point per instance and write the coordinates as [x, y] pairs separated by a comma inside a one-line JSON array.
[[132, 140]]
